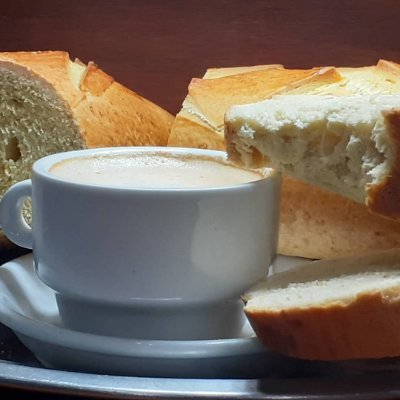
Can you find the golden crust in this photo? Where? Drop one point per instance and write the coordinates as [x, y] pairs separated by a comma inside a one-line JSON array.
[[216, 94], [384, 198], [366, 328], [213, 97], [120, 118], [53, 67], [315, 223], [389, 66], [94, 80], [107, 113], [353, 323], [186, 132], [213, 73]]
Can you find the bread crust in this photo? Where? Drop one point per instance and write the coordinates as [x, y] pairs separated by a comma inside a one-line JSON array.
[[384, 198], [366, 328], [315, 223], [213, 73], [212, 98], [107, 113], [322, 324], [186, 132], [215, 94]]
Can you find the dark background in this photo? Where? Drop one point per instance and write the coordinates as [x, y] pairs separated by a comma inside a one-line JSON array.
[[156, 46]]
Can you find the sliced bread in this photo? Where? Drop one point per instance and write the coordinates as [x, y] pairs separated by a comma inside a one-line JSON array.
[[51, 104], [314, 222], [347, 144], [333, 309]]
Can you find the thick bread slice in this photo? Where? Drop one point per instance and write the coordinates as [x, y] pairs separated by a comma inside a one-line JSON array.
[[314, 223], [334, 309], [51, 104], [347, 144]]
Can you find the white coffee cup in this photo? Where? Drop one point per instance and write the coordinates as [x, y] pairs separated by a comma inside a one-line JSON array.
[[154, 263]]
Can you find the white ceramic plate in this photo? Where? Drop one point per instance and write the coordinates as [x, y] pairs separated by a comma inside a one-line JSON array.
[[29, 308]]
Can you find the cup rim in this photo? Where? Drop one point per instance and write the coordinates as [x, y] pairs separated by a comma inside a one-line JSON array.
[[42, 166]]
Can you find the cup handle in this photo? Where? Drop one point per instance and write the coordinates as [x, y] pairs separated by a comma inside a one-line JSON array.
[[12, 221]]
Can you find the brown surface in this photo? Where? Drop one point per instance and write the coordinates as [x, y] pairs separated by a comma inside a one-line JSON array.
[[155, 47], [213, 97]]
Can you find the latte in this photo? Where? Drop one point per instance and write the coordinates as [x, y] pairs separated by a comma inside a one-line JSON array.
[[150, 170]]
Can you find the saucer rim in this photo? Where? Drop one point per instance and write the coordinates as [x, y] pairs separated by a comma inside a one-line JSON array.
[[46, 332]]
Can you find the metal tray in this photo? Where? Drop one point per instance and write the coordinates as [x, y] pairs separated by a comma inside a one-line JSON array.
[[307, 380]]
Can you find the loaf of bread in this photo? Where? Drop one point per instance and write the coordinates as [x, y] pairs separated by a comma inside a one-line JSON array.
[[51, 104], [314, 222], [336, 309], [200, 123], [347, 144]]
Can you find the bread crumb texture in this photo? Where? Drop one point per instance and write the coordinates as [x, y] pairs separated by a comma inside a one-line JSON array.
[[342, 144], [34, 122], [51, 104]]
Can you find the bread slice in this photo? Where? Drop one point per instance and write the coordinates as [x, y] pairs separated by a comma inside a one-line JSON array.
[[314, 223], [334, 309], [51, 104], [347, 144]]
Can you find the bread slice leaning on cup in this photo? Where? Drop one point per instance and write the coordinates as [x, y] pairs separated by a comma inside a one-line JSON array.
[[347, 144]]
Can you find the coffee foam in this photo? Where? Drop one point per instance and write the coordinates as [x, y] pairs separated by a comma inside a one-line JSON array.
[[153, 170]]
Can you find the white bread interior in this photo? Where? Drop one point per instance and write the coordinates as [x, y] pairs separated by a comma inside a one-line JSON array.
[[334, 309], [35, 122], [52, 104], [346, 144]]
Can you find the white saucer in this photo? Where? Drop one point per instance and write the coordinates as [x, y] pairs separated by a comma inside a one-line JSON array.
[[29, 308]]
